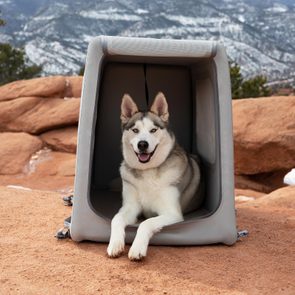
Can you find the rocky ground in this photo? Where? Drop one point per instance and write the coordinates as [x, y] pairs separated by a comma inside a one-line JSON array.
[[38, 134]]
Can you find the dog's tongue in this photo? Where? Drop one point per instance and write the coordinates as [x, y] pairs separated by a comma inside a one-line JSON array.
[[143, 157]]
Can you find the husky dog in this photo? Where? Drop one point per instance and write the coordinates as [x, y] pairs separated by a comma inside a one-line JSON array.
[[159, 179]]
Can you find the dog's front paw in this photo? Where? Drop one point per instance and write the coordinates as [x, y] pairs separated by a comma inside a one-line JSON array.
[[137, 252], [115, 248]]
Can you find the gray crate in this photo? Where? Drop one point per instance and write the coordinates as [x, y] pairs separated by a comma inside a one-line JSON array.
[[194, 76]]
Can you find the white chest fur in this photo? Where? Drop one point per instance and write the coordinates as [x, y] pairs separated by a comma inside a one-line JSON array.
[[154, 189]]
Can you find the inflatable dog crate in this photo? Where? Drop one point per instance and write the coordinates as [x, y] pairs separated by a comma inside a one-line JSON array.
[[194, 77]]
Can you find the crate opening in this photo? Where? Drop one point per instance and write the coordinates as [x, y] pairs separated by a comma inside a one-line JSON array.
[[191, 92]]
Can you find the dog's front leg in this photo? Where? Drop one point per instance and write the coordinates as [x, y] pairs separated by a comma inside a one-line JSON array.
[[146, 230], [126, 215], [169, 210]]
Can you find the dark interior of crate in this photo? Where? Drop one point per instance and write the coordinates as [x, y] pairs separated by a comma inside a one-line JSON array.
[[190, 89]]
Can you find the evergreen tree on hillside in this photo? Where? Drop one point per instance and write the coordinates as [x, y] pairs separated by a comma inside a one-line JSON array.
[[2, 22], [253, 87], [14, 64], [236, 80], [81, 71]]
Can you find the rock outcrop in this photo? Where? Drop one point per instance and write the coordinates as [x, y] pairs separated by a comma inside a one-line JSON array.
[[283, 197], [55, 86], [48, 107], [16, 150], [264, 134], [56, 164], [64, 139], [45, 112], [36, 114], [73, 86]]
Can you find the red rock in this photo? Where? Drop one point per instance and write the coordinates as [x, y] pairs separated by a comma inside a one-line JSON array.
[[46, 170], [54, 86], [64, 139], [67, 168], [35, 115], [16, 150], [56, 164], [44, 87], [263, 182], [248, 193], [246, 182], [74, 86], [283, 197], [264, 134], [12, 110]]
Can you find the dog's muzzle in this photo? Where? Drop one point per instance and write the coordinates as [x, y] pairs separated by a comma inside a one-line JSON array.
[[143, 156]]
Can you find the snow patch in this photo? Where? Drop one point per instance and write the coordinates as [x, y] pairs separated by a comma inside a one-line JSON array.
[[141, 11], [54, 57], [5, 38], [110, 14], [289, 178], [241, 18], [87, 38], [42, 18], [195, 21], [277, 8]]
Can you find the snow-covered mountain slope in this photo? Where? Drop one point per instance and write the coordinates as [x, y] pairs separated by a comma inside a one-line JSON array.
[[258, 35]]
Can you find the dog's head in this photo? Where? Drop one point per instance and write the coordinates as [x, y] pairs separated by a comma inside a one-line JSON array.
[[146, 140]]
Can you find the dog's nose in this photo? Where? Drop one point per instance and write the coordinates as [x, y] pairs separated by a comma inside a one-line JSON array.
[[142, 145]]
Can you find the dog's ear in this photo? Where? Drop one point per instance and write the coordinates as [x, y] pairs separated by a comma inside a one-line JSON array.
[[160, 107], [128, 108]]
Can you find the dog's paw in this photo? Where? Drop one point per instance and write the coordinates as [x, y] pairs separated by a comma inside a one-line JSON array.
[[137, 253], [115, 249]]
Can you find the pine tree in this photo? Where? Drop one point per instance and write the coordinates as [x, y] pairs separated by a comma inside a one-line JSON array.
[[81, 71], [2, 22], [253, 87], [14, 64], [236, 80]]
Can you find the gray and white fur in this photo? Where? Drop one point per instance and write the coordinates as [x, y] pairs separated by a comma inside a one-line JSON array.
[[159, 178]]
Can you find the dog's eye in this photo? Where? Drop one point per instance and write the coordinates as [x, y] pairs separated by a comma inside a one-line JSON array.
[[153, 130], [135, 130]]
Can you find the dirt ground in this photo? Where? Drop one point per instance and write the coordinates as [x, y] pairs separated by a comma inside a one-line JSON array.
[[32, 261]]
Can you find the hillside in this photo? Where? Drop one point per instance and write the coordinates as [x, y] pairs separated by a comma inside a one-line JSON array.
[[260, 36]]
